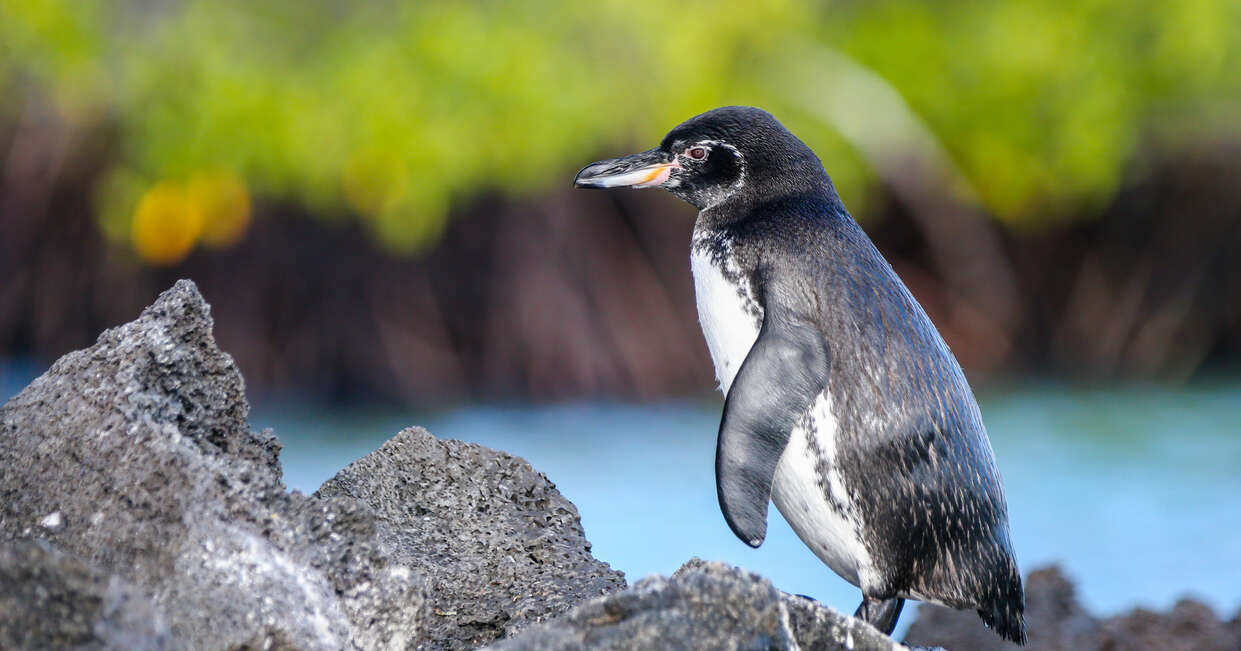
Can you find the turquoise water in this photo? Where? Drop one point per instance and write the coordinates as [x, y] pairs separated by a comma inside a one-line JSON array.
[[1136, 492]]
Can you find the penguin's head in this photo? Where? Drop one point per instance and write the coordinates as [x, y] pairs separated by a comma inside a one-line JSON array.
[[724, 154]]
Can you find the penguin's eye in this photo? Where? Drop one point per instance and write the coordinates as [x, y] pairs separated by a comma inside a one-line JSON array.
[[697, 153]]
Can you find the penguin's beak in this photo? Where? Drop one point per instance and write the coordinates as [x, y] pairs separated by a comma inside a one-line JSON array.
[[644, 170]]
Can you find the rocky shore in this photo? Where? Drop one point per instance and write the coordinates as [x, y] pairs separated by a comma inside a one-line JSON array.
[[139, 511]]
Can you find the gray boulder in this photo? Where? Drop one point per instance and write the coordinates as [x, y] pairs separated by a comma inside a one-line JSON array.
[[1190, 626], [1056, 621], [499, 546], [703, 606], [134, 456]]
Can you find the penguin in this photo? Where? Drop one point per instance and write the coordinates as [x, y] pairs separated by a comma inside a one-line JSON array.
[[843, 404]]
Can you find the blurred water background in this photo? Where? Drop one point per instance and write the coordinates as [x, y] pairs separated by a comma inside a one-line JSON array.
[[374, 199]]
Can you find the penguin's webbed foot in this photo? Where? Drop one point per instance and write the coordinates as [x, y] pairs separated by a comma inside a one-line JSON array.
[[880, 613]]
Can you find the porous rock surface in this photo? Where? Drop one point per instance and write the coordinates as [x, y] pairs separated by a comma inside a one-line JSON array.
[[135, 457], [705, 605], [1056, 621], [499, 546]]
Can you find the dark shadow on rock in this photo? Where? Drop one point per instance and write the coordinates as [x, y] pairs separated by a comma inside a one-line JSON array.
[[50, 600], [500, 547]]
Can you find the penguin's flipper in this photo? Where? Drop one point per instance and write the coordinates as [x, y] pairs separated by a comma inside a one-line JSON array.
[[783, 373]]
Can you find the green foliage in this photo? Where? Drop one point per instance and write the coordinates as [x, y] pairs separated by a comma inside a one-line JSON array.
[[394, 110]]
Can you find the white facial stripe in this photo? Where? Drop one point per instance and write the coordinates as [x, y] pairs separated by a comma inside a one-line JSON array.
[[736, 152]]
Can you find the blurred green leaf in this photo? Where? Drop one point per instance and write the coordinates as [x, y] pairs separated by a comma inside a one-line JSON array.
[[392, 110]]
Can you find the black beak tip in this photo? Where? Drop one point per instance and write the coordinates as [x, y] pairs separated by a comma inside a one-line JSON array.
[[585, 176]]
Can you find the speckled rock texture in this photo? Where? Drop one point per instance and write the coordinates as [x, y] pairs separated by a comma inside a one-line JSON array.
[[1057, 622], [499, 546], [134, 456], [50, 600], [703, 606]]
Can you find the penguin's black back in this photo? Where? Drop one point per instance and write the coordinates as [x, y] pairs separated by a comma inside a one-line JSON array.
[[910, 443]]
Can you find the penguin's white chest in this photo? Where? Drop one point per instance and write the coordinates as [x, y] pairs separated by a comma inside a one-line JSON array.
[[726, 311], [807, 487]]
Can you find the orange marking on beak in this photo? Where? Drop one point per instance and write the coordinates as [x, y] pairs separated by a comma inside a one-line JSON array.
[[658, 175]]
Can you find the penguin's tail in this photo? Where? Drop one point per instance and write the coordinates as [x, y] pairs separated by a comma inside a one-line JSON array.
[[1009, 625], [1004, 613]]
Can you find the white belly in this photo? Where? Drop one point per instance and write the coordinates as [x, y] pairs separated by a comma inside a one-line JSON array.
[[727, 324], [798, 492], [725, 312]]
